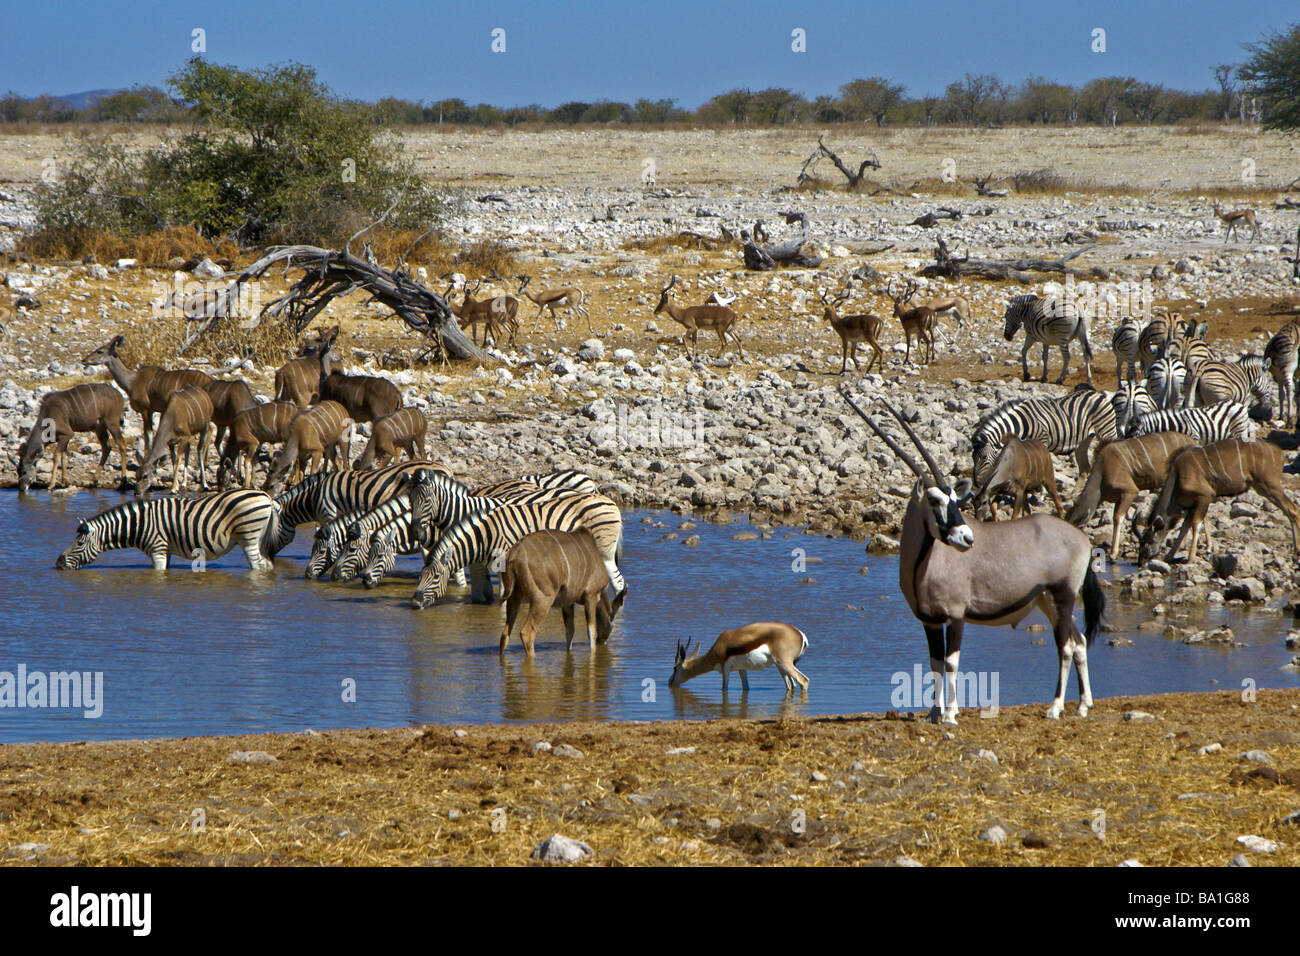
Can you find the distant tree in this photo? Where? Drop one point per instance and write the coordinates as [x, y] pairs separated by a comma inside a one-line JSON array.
[[1041, 101], [1223, 75], [607, 112], [826, 109], [1104, 98], [1145, 101], [1273, 73], [873, 98], [974, 100], [776, 106], [730, 107], [653, 111]]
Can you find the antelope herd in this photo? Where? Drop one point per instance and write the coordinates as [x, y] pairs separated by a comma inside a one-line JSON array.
[[1180, 425]]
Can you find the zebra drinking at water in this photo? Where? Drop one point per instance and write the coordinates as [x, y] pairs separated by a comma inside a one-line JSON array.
[[1049, 321], [485, 537], [204, 527]]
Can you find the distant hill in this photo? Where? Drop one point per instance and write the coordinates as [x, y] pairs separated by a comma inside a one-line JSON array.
[[81, 101]]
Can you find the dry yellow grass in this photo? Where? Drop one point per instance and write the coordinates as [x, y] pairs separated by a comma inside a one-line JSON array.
[[744, 795]]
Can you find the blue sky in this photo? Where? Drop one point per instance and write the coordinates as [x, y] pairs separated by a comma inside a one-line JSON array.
[[559, 51]]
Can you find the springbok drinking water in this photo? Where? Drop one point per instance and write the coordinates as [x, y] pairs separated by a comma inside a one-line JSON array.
[[749, 648]]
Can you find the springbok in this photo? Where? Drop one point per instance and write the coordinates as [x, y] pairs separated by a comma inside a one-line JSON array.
[[565, 297], [989, 573], [1198, 475], [720, 318], [1233, 218], [918, 321], [854, 330], [557, 569], [96, 407], [1120, 472], [749, 648], [298, 380], [1020, 466]]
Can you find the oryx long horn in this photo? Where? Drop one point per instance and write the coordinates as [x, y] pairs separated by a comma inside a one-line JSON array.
[[907, 459], [938, 476]]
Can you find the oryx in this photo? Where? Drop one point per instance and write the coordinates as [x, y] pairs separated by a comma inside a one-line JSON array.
[[989, 573]]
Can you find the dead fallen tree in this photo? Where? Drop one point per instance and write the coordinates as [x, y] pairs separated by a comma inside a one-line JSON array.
[[764, 258], [952, 267], [808, 172], [329, 274]]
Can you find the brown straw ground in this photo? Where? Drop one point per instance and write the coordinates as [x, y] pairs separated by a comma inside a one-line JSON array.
[[848, 790]]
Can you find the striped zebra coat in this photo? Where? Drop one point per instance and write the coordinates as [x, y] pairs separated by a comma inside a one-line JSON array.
[[325, 497], [1048, 321], [1165, 381], [345, 542], [1154, 338], [479, 539], [565, 479], [204, 527], [1124, 343], [1130, 402], [1188, 345], [1206, 425], [1065, 425], [1282, 359], [1238, 381]]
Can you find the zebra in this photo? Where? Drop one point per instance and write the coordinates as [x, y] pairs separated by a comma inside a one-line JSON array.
[[1154, 339], [1166, 378], [1124, 343], [1188, 345], [1281, 358], [565, 479], [336, 542], [1065, 425], [199, 528], [1129, 402], [1237, 381], [1206, 425], [390, 540], [438, 501], [485, 537], [325, 497], [1050, 321]]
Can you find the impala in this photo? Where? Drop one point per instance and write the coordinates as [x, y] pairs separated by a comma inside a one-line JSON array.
[[720, 318], [566, 297]]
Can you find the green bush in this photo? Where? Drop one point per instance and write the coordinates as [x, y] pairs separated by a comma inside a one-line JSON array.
[[272, 156]]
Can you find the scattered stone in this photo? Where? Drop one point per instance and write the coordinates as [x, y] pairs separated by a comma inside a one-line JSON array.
[[1239, 860], [1138, 715], [692, 542], [1257, 844], [560, 849], [905, 860], [1035, 841], [1129, 862], [564, 750], [676, 751], [251, 756], [542, 745], [1256, 756], [995, 835], [819, 777], [1209, 749], [989, 755]]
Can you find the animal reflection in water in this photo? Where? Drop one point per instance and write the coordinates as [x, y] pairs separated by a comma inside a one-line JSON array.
[[749, 648]]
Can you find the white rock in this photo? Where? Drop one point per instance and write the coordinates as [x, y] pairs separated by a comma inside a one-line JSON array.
[[1257, 844], [560, 849]]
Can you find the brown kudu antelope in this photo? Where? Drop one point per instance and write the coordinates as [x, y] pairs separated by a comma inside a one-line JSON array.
[[404, 429], [298, 380], [749, 648], [557, 569], [316, 436], [229, 398], [367, 398], [95, 407], [722, 319], [1198, 475], [186, 419], [992, 573], [267, 423], [1019, 467], [917, 321], [1120, 472], [135, 382], [854, 330]]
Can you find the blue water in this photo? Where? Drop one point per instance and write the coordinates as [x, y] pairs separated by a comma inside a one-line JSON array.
[[226, 652]]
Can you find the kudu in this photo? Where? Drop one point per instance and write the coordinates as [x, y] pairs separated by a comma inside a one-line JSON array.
[[267, 423], [951, 573], [298, 380], [1120, 472], [316, 436], [95, 407], [749, 648], [1020, 467], [918, 321], [404, 429], [187, 418], [557, 569], [854, 330], [1198, 475], [368, 398], [135, 382], [722, 319]]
